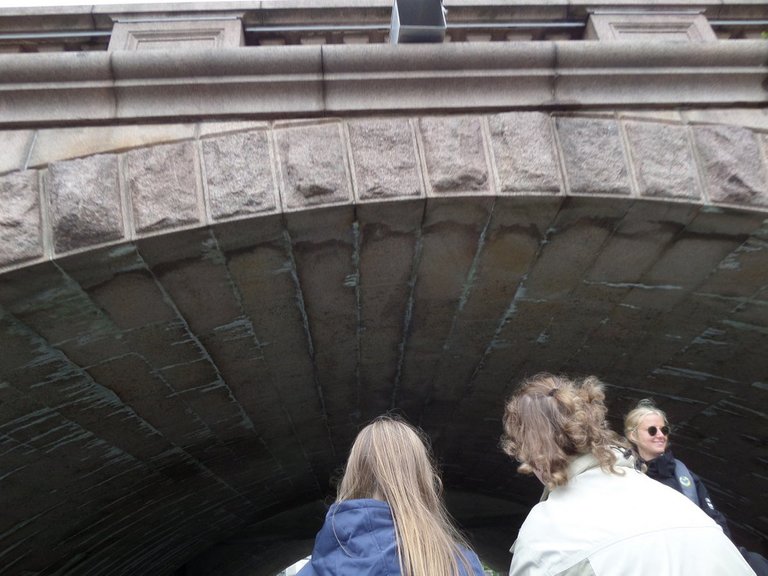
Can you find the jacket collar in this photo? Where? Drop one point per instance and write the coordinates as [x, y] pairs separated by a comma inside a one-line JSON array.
[[583, 462], [662, 466]]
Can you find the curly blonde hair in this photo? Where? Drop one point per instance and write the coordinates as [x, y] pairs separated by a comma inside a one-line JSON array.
[[550, 419]]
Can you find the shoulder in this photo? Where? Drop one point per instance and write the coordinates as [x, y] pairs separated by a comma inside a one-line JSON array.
[[352, 512], [474, 563]]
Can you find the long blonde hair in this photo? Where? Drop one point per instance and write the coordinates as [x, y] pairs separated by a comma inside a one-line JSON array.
[[390, 460], [550, 419]]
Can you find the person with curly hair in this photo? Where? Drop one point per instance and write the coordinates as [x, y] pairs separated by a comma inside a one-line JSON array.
[[389, 518], [598, 515]]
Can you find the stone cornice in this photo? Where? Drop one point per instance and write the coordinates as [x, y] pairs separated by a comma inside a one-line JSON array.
[[274, 82]]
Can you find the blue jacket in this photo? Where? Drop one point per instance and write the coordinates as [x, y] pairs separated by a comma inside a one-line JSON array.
[[358, 539]]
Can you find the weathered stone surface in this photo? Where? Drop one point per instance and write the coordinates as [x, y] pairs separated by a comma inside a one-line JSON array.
[[20, 224], [15, 149], [218, 128], [84, 197], [732, 164], [239, 175], [54, 144], [524, 151], [384, 159], [594, 159], [662, 160], [162, 183], [455, 156], [312, 166], [755, 118]]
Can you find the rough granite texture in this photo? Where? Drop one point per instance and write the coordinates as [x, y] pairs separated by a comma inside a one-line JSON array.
[[84, 197], [524, 151], [20, 223], [593, 156], [312, 165], [662, 160], [162, 183], [384, 159], [733, 164], [245, 168], [455, 155], [239, 175]]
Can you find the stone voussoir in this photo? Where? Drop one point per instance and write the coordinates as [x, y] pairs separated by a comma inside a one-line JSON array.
[[85, 202], [239, 176], [455, 155], [313, 167], [162, 183], [20, 220], [662, 160], [732, 164], [593, 156]]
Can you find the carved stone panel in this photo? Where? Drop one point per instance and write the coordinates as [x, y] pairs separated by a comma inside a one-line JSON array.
[[177, 34], [655, 26]]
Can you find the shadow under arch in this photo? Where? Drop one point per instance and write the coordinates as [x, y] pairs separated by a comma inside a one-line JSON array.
[[163, 392]]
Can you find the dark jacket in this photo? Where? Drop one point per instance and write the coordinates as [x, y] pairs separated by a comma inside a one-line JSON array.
[[358, 539], [662, 469]]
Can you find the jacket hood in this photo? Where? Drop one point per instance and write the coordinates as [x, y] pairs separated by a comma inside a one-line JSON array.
[[358, 537]]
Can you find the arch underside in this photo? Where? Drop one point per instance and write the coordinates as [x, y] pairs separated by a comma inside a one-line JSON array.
[[161, 395], [193, 332]]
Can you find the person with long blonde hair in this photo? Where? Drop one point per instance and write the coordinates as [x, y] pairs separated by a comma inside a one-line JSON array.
[[389, 517], [598, 515]]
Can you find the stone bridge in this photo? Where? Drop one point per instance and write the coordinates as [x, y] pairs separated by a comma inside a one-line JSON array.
[[216, 265]]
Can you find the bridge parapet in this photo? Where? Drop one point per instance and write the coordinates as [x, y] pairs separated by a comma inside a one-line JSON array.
[[287, 22]]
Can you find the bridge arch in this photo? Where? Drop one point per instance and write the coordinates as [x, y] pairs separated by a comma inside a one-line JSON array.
[[216, 263], [195, 329]]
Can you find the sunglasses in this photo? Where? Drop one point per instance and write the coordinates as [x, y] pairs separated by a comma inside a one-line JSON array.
[[652, 430]]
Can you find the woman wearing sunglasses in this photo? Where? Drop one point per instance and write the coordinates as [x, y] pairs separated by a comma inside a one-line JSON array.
[[647, 429]]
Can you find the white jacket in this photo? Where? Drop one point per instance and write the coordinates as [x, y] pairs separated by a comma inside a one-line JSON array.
[[602, 524]]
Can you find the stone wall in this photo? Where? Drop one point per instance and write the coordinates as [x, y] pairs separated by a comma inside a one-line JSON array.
[[70, 189]]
